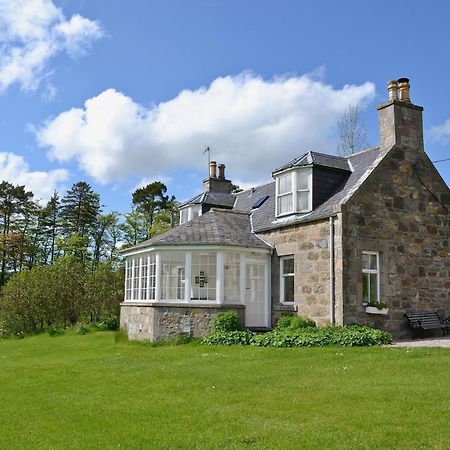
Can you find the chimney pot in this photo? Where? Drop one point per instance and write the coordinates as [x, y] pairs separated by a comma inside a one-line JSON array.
[[393, 90], [403, 87], [221, 168], [212, 169]]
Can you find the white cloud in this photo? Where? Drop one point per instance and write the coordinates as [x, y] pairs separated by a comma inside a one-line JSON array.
[[441, 132], [34, 31], [15, 169], [253, 125]]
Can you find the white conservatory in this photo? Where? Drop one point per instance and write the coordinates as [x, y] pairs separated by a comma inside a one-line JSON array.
[[172, 287]]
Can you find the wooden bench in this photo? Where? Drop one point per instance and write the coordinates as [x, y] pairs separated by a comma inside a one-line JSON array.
[[427, 320]]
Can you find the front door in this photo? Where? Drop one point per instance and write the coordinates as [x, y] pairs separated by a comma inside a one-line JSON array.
[[255, 295]]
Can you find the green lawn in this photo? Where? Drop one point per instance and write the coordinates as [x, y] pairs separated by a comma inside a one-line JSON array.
[[90, 392]]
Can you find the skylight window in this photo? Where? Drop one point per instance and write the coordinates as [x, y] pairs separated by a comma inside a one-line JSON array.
[[260, 201]]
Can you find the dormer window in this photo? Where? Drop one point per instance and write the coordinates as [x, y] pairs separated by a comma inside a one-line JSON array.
[[285, 194], [190, 212], [294, 191]]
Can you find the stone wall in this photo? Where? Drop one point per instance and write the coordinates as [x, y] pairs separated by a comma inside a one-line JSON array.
[[394, 214], [154, 322], [309, 243]]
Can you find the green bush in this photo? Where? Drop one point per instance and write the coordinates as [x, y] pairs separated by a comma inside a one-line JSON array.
[[59, 296], [228, 338], [348, 336], [109, 322], [226, 321], [294, 322]]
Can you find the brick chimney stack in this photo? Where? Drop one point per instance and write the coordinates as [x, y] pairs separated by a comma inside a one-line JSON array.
[[217, 183], [400, 121]]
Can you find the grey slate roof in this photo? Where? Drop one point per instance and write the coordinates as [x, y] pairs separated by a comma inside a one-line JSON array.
[[362, 164], [237, 227], [216, 227], [318, 159], [219, 199]]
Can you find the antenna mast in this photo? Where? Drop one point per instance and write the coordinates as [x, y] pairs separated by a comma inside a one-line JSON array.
[[208, 150]]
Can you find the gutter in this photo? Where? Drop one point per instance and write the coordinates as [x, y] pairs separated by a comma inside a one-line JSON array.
[[332, 273]]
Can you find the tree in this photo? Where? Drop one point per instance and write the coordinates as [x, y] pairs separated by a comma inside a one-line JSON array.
[[352, 132], [134, 228], [80, 208], [51, 225], [150, 200], [14, 202], [101, 236]]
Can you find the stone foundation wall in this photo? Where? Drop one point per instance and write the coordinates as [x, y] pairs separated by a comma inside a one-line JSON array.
[[309, 244], [154, 322], [397, 216]]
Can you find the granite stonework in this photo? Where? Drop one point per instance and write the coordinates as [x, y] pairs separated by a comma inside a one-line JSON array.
[[402, 213], [309, 243], [153, 322]]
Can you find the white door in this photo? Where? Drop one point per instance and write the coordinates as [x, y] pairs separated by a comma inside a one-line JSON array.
[[255, 295]]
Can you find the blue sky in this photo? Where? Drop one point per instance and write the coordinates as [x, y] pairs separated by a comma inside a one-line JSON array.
[[121, 93]]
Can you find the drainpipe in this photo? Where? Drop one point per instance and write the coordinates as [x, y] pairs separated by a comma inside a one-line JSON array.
[[332, 286]]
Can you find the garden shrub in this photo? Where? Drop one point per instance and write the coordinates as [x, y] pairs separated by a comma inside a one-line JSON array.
[[348, 336], [109, 322], [226, 321], [59, 296], [294, 322], [228, 338]]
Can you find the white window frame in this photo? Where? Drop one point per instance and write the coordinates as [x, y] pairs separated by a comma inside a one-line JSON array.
[[294, 191], [373, 271], [291, 193], [190, 212], [282, 276], [309, 189]]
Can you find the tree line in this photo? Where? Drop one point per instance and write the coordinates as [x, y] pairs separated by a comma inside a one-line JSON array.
[[60, 261], [75, 224]]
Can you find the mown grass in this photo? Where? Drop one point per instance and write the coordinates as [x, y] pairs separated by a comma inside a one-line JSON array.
[[93, 392]]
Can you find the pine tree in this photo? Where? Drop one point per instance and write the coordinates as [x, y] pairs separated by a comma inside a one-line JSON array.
[[14, 201], [150, 200], [80, 208], [51, 226]]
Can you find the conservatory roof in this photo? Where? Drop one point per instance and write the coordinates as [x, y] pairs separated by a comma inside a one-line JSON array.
[[216, 227]]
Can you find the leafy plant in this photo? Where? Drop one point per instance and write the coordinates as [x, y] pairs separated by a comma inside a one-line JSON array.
[[226, 321], [228, 338], [294, 322], [109, 322]]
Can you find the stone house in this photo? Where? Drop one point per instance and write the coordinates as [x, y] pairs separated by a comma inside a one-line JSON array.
[[329, 238]]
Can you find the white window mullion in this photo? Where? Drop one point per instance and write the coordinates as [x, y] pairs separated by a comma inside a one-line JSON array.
[[219, 277], [148, 278], [187, 277], [140, 279], [243, 278], [127, 279], [158, 277], [132, 278]]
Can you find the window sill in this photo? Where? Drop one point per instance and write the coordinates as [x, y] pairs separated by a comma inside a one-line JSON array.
[[375, 310]]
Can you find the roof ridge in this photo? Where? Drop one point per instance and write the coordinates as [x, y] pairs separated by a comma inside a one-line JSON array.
[[376, 147], [228, 211]]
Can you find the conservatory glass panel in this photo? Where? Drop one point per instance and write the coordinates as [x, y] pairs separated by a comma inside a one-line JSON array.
[[232, 278], [203, 276], [171, 265]]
